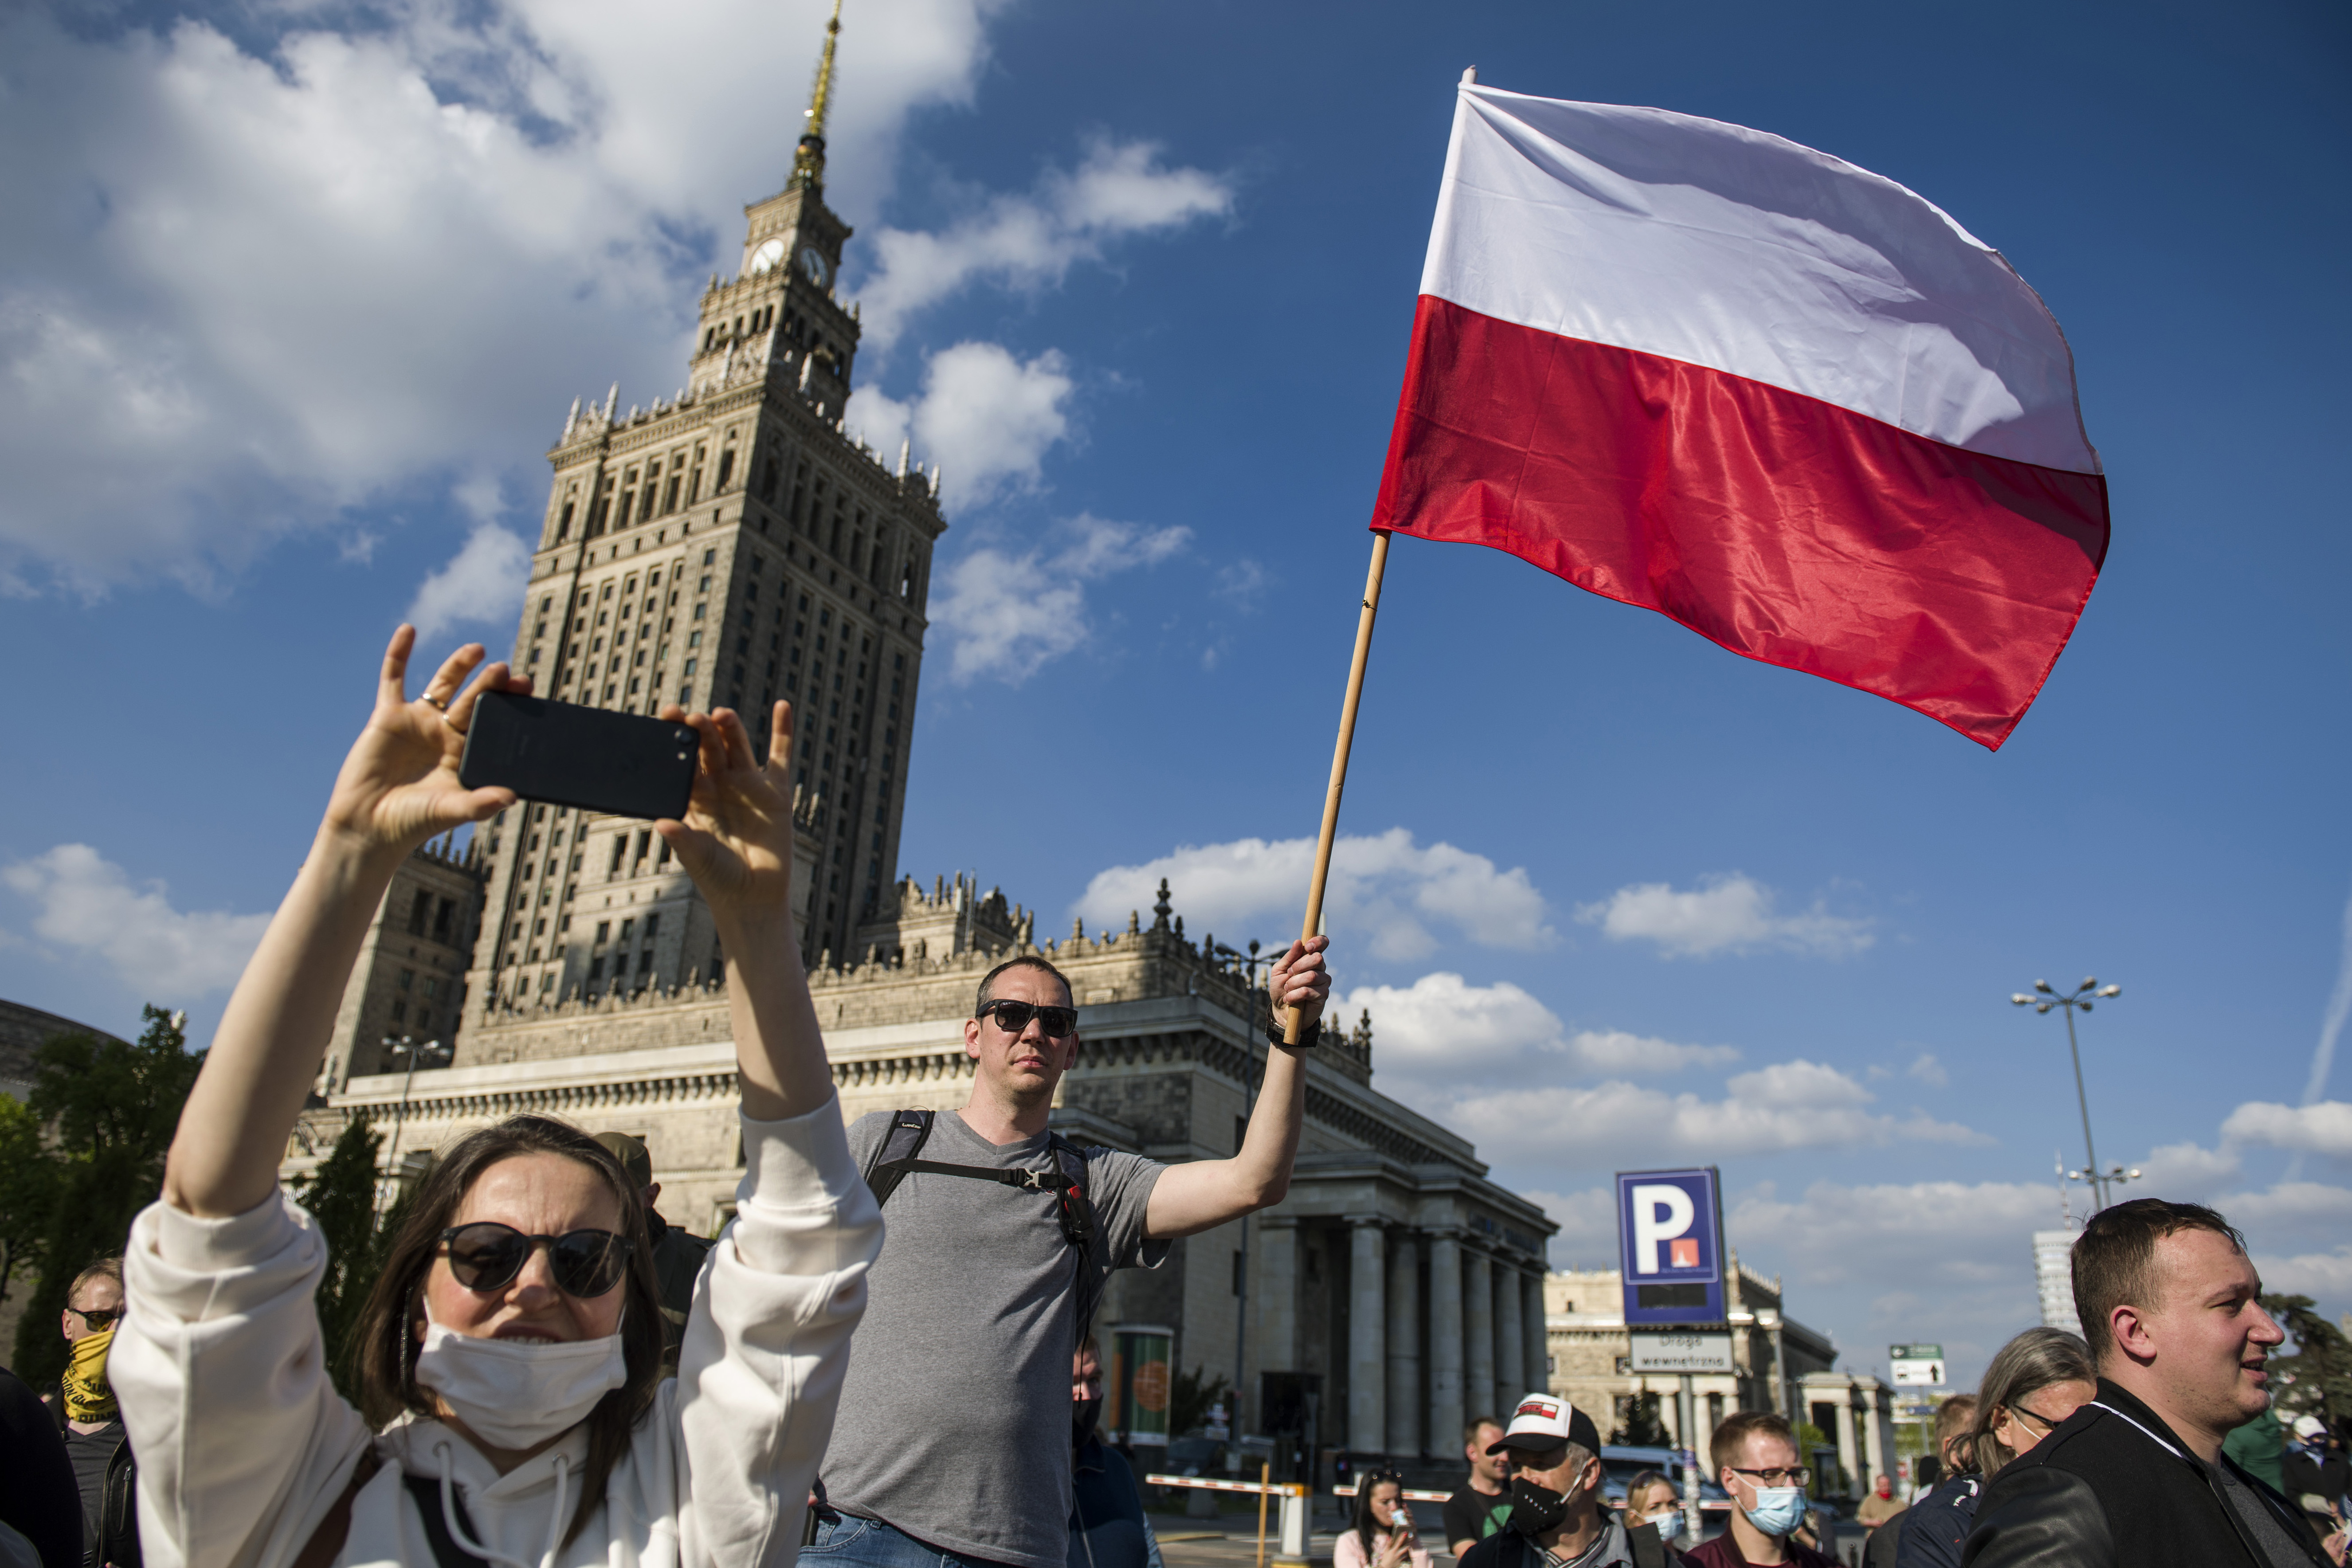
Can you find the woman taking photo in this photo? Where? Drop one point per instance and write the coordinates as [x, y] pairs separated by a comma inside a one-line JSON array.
[[1381, 1535], [513, 1342], [2035, 1381]]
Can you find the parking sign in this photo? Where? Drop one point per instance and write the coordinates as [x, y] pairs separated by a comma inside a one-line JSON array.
[[1670, 1246]]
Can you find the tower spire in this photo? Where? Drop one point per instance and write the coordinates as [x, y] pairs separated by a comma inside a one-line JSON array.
[[808, 160]]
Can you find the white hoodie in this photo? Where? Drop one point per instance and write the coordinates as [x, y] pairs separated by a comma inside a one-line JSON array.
[[244, 1444]]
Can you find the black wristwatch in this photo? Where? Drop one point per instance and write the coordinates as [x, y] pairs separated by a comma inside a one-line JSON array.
[[1308, 1037]]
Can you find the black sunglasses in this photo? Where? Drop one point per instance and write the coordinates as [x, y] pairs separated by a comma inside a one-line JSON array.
[[1796, 1476], [98, 1317], [488, 1256], [1060, 1023]]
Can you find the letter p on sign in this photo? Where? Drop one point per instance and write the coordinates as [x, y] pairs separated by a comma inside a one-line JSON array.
[[1662, 1213]]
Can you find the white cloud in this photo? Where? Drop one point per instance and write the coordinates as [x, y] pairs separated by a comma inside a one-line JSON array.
[[1008, 615], [1929, 1070], [241, 290], [1775, 1110], [88, 902], [1441, 1025], [2322, 1129], [484, 582], [1032, 240], [1386, 890], [1725, 913], [983, 418]]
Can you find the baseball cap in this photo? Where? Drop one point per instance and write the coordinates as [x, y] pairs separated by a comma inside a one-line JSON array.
[[631, 1152], [1546, 1421], [2310, 1427]]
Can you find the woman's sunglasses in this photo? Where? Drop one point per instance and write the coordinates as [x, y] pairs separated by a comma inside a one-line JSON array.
[[1059, 1022], [488, 1256]]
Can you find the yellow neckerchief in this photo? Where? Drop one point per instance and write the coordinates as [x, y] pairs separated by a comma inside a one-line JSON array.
[[89, 1396]]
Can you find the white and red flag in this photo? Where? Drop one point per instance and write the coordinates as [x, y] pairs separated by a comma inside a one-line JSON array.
[[1791, 404]]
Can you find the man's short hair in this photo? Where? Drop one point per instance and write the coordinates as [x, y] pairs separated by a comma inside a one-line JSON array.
[[104, 1269], [1471, 1428], [1730, 1440], [1953, 1418], [1026, 961], [2114, 1259]]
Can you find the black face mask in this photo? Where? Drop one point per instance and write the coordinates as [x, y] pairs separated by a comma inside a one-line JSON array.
[[1084, 1414], [1536, 1510]]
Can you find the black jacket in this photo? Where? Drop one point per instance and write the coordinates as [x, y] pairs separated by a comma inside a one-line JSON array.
[[118, 1511], [2113, 1488]]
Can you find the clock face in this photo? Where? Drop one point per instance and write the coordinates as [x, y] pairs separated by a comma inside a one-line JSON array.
[[813, 263], [768, 255]]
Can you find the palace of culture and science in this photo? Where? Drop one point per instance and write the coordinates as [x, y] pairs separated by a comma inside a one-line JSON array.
[[733, 545]]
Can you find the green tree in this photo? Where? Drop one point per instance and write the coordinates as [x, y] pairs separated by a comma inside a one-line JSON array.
[[341, 1195], [1641, 1427], [110, 1109], [1189, 1400], [27, 1191], [2316, 1379]]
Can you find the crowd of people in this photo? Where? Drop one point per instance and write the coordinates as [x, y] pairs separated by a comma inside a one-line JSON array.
[[550, 1375]]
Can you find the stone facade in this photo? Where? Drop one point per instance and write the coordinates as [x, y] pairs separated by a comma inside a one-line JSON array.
[[409, 984], [728, 546], [1592, 1349]]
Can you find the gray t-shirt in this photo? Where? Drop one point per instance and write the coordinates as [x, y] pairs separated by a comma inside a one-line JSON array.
[[954, 1422]]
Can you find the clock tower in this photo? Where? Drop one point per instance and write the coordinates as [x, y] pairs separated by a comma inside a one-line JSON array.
[[725, 547]]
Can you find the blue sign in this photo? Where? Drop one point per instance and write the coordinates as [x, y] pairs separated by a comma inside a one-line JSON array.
[[1670, 1247]]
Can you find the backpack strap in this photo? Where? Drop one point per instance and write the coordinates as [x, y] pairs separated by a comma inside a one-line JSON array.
[[1080, 1229], [891, 1159], [426, 1491]]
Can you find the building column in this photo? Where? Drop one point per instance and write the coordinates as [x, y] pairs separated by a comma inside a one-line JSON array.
[[1510, 1339], [1873, 1446], [1404, 1346], [1278, 1296], [1368, 1294], [1445, 1412], [1538, 1330], [1478, 1281], [1845, 1436]]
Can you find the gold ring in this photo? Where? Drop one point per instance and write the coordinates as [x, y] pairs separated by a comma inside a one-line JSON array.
[[435, 702]]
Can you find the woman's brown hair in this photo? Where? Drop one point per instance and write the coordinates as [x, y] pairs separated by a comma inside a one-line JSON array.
[[384, 1348], [2020, 1369]]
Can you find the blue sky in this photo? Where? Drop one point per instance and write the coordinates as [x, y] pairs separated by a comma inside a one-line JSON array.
[[296, 296]]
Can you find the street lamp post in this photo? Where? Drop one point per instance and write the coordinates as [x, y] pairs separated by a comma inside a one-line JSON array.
[[2045, 998], [1248, 963], [405, 1046]]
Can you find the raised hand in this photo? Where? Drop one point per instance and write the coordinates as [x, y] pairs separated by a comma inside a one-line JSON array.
[[1301, 980], [398, 786], [737, 839]]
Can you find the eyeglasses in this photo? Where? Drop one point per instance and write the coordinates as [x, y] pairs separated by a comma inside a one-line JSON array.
[[2048, 1426], [98, 1317], [1799, 1477], [1012, 1016], [488, 1256]]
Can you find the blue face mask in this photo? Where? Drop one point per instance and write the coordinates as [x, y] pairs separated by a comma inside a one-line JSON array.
[[1777, 1510]]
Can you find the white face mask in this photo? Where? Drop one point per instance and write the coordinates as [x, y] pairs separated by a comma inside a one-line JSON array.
[[512, 1394], [1669, 1524]]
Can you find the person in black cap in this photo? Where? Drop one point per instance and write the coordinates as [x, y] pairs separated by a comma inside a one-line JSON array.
[[677, 1254], [1556, 1519]]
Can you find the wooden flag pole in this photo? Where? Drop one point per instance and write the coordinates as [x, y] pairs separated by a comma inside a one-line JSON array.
[[1314, 921]]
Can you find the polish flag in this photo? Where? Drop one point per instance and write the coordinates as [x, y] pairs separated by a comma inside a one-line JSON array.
[[1790, 404]]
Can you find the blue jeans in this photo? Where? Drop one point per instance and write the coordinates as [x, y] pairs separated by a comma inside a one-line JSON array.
[[870, 1543]]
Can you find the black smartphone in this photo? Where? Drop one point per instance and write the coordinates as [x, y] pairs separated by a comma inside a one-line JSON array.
[[565, 754]]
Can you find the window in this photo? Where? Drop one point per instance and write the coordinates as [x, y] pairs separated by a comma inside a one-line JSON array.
[[407, 979], [603, 930], [726, 467], [441, 920], [652, 924], [417, 911], [620, 846]]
